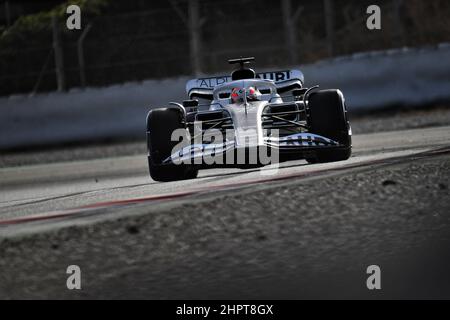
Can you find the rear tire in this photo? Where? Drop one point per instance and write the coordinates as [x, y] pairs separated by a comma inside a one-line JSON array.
[[161, 123], [328, 118]]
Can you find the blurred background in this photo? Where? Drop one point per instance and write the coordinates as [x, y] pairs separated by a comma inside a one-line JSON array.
[[61, 86], [134, 40]]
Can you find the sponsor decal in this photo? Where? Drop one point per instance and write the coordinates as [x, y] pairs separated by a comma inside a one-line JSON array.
[[277, 76], [301, 139]]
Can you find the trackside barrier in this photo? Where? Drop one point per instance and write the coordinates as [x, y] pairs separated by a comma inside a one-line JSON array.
[[369, 81]]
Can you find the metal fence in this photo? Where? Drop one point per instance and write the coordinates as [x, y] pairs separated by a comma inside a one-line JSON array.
[[192, 37]]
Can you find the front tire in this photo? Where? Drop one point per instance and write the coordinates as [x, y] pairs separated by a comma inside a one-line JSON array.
[[161, 123], [328, 118]]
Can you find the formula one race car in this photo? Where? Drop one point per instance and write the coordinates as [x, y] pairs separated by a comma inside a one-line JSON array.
[[248, 120]]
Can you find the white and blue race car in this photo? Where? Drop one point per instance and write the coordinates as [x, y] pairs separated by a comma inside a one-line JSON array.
[[248, 120]]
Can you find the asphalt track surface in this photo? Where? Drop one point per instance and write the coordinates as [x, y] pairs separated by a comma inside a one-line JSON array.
[[297, 231]]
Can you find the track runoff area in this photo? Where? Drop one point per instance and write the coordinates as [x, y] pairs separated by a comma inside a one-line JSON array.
[[55, 192]]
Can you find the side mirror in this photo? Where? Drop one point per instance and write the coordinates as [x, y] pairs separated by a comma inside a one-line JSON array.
[[190, 103], [299, 92]]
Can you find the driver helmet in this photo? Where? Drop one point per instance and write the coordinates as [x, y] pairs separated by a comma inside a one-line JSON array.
[[237, 94], [253, 94]]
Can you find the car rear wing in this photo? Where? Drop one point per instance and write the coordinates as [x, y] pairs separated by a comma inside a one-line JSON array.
[[286, 80]]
